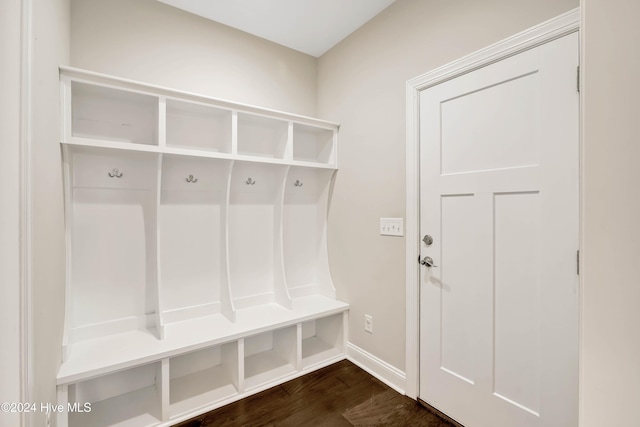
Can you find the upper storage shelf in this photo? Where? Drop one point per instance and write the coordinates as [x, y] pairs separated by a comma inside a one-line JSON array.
[[109, 112], [100, 112]]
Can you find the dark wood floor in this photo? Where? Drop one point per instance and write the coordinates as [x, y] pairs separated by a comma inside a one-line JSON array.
[[339, 395]]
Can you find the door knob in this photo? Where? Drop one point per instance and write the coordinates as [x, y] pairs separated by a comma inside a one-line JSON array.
[[428, 261]]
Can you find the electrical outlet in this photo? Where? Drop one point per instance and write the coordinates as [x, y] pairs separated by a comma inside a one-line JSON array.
[[368, 323], [391, 227]]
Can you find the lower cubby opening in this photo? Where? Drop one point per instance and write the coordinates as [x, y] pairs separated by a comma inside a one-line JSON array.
[[202, 378], [126, 398], [269, 356], [322, 339]]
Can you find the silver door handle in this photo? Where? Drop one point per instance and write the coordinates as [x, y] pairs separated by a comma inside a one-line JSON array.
[[428, 261]]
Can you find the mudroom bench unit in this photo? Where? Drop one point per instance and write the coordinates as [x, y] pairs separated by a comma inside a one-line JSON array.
[[197, 266]]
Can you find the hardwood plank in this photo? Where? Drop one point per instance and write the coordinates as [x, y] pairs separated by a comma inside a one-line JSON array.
[[339, 395], [392, 409]]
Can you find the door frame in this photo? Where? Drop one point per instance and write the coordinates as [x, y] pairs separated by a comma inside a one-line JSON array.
[[16, 210], [545, 32]]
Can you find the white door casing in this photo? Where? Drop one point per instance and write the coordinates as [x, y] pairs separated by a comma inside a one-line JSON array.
[[499, 195]]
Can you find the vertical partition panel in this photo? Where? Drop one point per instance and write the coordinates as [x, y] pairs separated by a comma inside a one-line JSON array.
[[226, 298], [192, 236], [281, 293], [255, 195], [305, 222]]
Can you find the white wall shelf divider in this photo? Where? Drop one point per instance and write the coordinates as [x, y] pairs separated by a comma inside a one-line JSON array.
[[197, 265]]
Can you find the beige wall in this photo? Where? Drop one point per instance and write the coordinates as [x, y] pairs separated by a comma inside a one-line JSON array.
[[361, 84], [149, 41], [610, 338], [50, 44], [9, 207]]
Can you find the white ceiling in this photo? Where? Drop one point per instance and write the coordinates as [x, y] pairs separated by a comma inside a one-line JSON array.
[[309, 26]]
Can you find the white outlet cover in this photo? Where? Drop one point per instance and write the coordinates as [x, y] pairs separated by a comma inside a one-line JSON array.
[[391, 226], [368, 323]]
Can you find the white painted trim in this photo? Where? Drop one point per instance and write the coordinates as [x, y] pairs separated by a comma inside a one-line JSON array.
[[26, 326], [582, 229], [547, 31], [388, 374], [559, 26], [12, 355]]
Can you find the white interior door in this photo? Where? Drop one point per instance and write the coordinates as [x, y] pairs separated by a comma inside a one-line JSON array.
[[499, 196]]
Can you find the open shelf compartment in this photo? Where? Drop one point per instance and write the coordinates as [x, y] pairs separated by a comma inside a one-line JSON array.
[[126, 398], [269, 356], [322, 340], [100, 112], [203, 378], [262, 136], [198, 126], [313, 144]]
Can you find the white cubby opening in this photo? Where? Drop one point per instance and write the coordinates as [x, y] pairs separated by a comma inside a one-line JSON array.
[[322, 339], [113, 242], [312, 144], [202, 378], [126, 398], [269, 356], [100, 112], [262, 136], [255, 260], [192, 237], [199, 126], [304, 232]]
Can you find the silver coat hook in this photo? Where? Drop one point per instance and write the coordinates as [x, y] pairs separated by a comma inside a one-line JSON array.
[[298, 183], [115, 173], [249, 181], [190, 178]]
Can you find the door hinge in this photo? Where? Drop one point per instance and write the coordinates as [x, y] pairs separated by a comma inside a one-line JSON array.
[[578, 78], [578, 262]]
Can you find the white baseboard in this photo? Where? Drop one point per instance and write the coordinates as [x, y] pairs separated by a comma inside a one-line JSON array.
[[390, 375]]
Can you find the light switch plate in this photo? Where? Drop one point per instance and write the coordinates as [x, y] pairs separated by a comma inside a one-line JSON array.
[[391, 226]]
